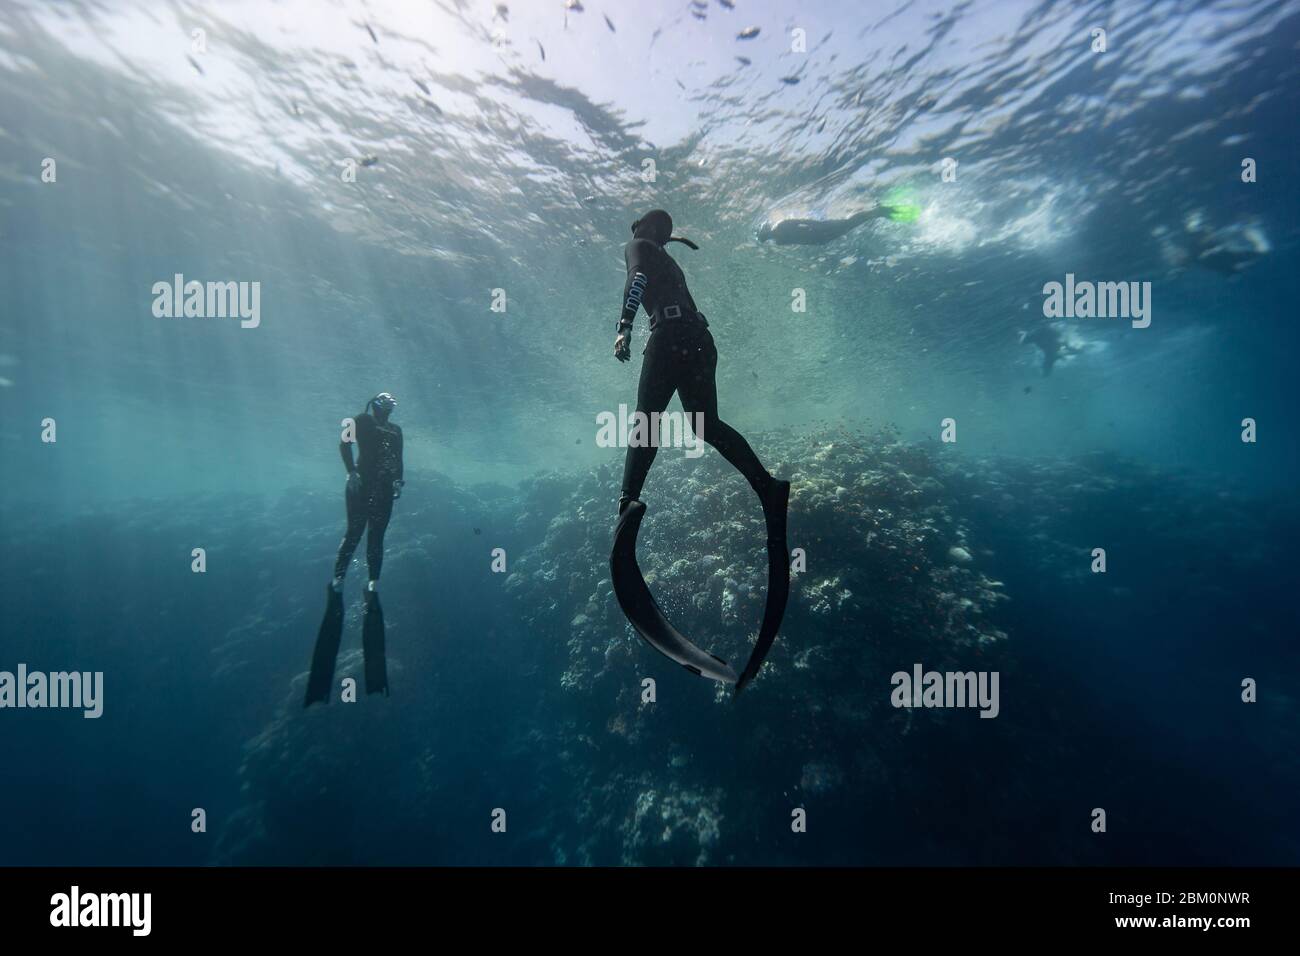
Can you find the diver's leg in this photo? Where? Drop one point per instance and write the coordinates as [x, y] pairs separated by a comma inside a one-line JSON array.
[[351, 537], [381, 510], [654, 391], [699, 391]]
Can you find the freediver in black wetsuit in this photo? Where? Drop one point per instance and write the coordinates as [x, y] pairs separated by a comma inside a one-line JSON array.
[[818, 232], [680, 356], [374, 482]]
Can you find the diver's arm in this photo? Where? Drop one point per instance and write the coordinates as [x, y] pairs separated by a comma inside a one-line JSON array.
[[354, 476], [633, 293], [635, 286], [345, 448]]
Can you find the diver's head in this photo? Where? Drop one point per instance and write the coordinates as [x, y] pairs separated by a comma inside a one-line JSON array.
[[765, 232], [656, 225], [382, 405]]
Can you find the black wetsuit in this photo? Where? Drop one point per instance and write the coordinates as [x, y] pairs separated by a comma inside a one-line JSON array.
[[379, 445], [815, 232], [679, 357]]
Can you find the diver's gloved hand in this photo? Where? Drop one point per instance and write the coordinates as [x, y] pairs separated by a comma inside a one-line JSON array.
[[623, 346], [354, 482], [397, 488]]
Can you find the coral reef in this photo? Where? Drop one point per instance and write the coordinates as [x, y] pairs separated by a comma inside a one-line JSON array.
[[534, 694]]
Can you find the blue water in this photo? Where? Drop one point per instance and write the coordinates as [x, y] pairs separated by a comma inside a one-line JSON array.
[[222, 157]]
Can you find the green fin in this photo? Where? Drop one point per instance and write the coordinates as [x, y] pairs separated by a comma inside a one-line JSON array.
[[906, 212], [902, 205]]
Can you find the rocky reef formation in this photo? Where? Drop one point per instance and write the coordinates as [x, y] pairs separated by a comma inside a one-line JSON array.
[[531, 693], [887, 573]]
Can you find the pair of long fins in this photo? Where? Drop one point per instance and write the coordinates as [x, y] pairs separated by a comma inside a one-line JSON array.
[[321, 678], [648, 619]]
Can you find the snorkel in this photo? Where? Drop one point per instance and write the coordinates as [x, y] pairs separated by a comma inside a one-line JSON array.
[[657, 226]]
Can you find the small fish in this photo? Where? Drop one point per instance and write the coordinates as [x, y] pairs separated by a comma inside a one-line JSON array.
[[195, 63], [747, 34], [478, 530], [729, 4], [789, 80], [744, 60], [699, 16], [577, 441], [542, 48], [369, 160], [423, 87], [700, 4], [1028, 389], [609, 23], [371, 32], [503, 12], [679, 83]]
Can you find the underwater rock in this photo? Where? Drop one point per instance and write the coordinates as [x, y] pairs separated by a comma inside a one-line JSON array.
[[607, 753]]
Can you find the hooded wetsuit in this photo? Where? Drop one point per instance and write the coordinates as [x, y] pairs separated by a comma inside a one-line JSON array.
[[379, 444], [679, 357]]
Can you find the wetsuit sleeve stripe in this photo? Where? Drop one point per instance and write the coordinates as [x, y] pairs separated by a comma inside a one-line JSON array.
[[637, 280], [633, 293]]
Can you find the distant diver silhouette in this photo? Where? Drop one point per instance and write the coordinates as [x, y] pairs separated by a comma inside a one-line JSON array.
[[818, 232], [374, 482], [1227, 250], [680, 357], [1051, 343]]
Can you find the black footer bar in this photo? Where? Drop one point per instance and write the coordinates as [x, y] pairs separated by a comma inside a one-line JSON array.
[[337, 904]]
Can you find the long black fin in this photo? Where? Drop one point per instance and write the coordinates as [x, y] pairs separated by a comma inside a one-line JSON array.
[[778, 581], [643, 611], [327, 650], [372, 645]]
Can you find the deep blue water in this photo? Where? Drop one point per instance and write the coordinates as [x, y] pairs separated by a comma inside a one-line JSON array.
[[498, 169]]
